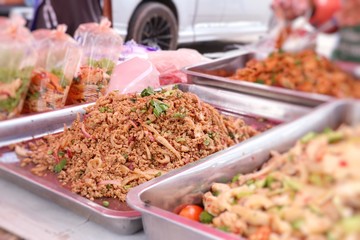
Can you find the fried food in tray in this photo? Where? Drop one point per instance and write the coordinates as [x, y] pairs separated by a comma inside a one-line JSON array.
[[309, 192], [125, 140], [304, 71]]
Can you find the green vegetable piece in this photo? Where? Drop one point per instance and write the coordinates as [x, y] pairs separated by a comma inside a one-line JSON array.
[[133, 109], [235, 178], [147, 92], [207, 142], [159, 107], [260, 183], [224, 228], [327, 130], [212, 135], [125, 155], [175, 87], [268, 181], [243, 194], [106, 203], [133, 100], [180, 139], [179, 115], [260, 81], [334, 137], [206, 217], [102, 109], [297, 224], [250, 181], [351, 224], [308, 137], [158, 174], [59, 167], [50, 152], [292, 184], [61, 153], [127, 186], [298, 62], [231, 135], [215, 193]]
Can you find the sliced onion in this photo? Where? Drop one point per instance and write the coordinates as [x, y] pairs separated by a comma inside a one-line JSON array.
[[113, 182], [86, 134]]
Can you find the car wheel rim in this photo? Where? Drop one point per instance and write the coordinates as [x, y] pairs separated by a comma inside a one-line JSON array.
[[156, 33]]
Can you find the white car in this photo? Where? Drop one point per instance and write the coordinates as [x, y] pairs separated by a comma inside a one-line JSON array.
[[166, 23]]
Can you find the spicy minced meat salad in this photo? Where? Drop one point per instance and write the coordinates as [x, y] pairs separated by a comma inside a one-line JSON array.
[[125, 140], [304, 71], [310, 192]]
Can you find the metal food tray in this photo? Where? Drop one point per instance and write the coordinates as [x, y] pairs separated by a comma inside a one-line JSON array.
[[123, 220], [206, 74], [158, 199]]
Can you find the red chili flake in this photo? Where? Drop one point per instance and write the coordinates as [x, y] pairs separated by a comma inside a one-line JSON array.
[[69, 153], [343, 163]]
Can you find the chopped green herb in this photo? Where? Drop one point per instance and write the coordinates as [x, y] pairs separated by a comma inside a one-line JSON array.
[[175, 87], [292, 184], [133, 109], [334, 137], [224, 228], [58, 167], [50, 152], [147, 92], [105, 109], [159, 107], [298, 62], [235, 178], [158, 174], [215, 193], [127, 186], [260, 81], [268, 181], [179, 115], [148, 122], [308, 137], [206, 217], [297, 224], [180, 139], [125, 155], [211, 135], [231, 135], [133, 100], [34, 96], [61, 153], [106, 203], [207, 142], [250, 181]]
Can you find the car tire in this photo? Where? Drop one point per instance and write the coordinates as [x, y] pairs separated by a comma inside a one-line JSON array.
[[154, 24]]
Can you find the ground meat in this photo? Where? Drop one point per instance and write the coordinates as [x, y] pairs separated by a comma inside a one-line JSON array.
[[125, 140]]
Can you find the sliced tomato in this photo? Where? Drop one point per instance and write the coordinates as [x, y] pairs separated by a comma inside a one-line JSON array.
[[191, 212]]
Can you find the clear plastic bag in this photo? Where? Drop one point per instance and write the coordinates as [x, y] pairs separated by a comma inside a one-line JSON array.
[[101, 47], [17, 59], [57, 64]]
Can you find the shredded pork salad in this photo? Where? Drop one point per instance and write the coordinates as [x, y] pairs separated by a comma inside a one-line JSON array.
[[125, 140], [310, 192]]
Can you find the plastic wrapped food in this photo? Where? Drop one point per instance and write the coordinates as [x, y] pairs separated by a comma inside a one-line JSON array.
[[140, 73], [102, 48], [17, 58], [58, 61]]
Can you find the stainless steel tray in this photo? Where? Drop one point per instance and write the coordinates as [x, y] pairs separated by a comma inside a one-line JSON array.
[[204, 74], [157, 199], [255, 111]]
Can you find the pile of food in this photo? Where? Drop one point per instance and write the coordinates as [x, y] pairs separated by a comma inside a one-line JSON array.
[[125, 140], [303, 71], [310, 192]]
